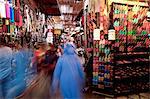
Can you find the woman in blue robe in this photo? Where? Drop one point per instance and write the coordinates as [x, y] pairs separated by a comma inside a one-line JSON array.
[[69, 74]]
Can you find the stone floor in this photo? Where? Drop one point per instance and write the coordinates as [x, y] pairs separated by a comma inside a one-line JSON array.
[[40, 90]]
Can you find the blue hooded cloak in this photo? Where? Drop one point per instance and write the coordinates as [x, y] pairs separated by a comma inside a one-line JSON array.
[[69, 74]]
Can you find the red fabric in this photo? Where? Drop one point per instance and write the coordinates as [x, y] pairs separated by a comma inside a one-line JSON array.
[[5, 28], [17, 15], [20, 23], [82, 20]]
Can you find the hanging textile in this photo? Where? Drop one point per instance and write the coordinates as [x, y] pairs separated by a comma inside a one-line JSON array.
[[13, 2], [6, 22], [10, 1], [12, 29], [21, 20], [7, 7], [20, 23], [2, 10], [4, 28], [17, 3], [12, 20], [1, 25], [8, 28], [1, 21], [1, 0], [16, 15]]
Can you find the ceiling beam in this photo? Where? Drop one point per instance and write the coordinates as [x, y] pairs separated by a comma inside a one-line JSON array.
[[53, 2], [49, 7], [73, 14], [52, 11]]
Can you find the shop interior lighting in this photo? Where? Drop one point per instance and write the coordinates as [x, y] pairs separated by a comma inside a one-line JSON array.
[[66, 9]]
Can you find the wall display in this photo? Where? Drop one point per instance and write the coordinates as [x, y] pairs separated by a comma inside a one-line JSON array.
[[121, 60], [18, 15]]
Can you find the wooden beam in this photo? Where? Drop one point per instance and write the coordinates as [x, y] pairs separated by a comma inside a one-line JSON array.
[[73, 14], [52, 11], [53, 2]]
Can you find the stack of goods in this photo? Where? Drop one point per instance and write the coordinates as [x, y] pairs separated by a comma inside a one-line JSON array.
[[131, 26], [122, 66], [102, 65], [8, 16], [102, 57], [91, 26], [132, 62]]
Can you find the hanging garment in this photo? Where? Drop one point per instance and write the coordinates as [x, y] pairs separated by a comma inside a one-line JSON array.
[[10, 1], [20, 20], [17, 3], [13, 2], [11, 28], [1, 29], [2, 10], [1, 0], [7, 7], [8, 28], [4, 28], [16, 15], [6, 22], [20, 23], [12, 19], [1, 25]]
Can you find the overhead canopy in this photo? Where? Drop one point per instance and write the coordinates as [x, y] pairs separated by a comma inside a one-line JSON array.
[[49, 7]]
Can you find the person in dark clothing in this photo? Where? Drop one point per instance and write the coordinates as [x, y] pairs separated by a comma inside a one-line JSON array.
[[51, 59], [88, 71]]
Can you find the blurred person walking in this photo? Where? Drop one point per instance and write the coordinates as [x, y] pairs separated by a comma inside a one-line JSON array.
[[81, 53], [18, 83], [5, 68], [51, 59], [40, 56], [69, 74]]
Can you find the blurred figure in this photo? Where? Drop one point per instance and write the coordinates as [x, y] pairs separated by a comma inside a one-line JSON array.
[[51, 59], [49, 35], [81, 53], [46, 60], [89, 71], [18, 83], [71, 41], [59, 51], [68, 73], [40, 56], [5, 68]]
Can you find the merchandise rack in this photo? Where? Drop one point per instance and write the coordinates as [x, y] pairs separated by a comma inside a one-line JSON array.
[[130, 63]]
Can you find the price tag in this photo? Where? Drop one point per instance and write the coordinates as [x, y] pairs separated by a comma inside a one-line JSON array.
[[96, 34], [111, 35]]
